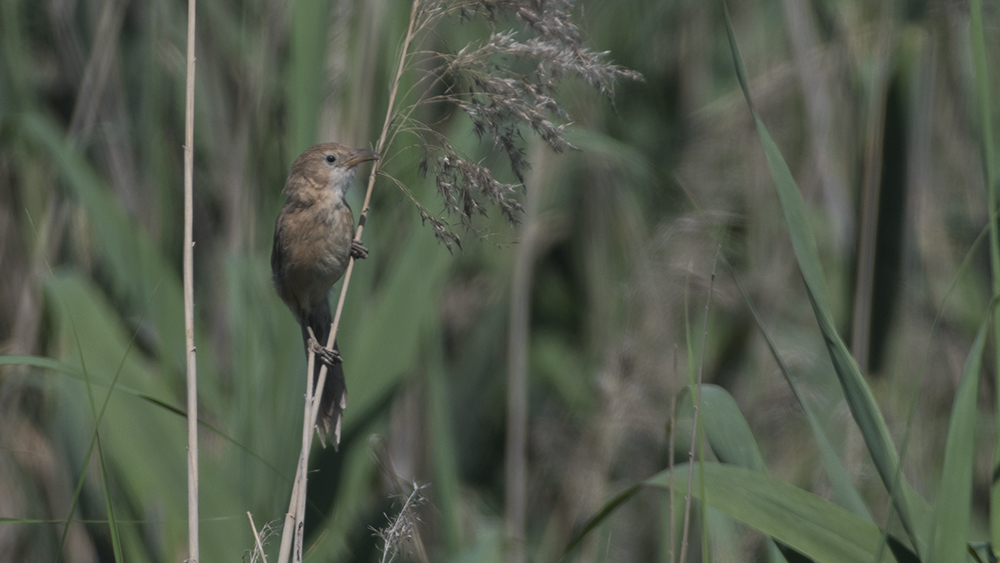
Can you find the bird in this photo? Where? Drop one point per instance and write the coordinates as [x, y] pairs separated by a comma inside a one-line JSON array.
[[313, 243]]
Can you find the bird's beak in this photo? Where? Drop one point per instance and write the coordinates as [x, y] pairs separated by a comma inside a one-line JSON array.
[[358, 156]]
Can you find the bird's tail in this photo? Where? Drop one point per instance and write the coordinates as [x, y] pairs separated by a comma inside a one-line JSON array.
[[330, 416]]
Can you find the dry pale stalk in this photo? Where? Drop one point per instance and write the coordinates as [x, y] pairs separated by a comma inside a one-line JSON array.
[[192, 376], [294, 518], [256, 539]]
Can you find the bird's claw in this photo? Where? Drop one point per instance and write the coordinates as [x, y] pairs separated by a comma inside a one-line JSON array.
[[358, 251], [328, 356]]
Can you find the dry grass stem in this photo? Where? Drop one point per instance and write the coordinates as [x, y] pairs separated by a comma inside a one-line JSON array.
[[192, 376], [295, 517], [256, 539], [261, 540]]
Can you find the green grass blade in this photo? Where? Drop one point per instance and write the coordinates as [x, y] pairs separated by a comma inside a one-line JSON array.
[[728, 434], [75, 498], [989, 173], [976, 547], [95, 438], [843, 489], [954, 500], [109, 505], [865, 411], [605, 511]]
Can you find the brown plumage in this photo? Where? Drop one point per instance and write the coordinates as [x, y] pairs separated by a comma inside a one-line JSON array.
[[313, 241]]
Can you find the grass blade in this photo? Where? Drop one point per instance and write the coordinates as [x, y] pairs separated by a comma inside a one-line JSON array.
[[843, 488], [859, 397], [728, 435], [811, 525], [954, 505], [989, 174], [95, 438], [595, 521], [725, 428]]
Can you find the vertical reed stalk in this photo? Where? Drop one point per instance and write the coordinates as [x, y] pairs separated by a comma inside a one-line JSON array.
[[192, 374]]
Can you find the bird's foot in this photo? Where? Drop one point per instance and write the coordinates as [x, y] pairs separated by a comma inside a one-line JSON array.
[[328, 356], [358, 251]]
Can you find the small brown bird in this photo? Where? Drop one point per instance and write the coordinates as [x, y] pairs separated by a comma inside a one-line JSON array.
[[313, 240]]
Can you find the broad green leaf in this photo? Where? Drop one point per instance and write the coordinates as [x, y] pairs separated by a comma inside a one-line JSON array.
[[806, 522], [386, 342], [727, 431]]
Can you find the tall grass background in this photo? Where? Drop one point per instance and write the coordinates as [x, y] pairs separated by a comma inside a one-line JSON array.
[[882, 113]]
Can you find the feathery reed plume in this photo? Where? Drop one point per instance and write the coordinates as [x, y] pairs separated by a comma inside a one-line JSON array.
[[401, 529], [267, 533], [504, 85]]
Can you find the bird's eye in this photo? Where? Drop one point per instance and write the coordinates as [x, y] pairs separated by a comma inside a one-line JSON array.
[[331, 159]]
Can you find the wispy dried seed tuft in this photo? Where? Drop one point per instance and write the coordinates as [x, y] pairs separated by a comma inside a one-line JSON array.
[[402, 528], [268, 532], [482, 82]]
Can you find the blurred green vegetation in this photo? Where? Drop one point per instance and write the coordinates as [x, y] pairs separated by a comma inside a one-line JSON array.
[[861, 98]]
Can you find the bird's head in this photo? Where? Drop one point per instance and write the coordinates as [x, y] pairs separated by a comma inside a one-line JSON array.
[[329, 166]]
